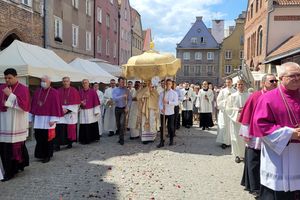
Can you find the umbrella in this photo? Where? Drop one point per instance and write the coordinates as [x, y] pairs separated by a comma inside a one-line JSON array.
[[151, 64]]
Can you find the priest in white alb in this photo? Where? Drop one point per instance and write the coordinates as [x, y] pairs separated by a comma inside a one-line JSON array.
[[109, 124], [133, 113], [14, 107], [223, 136], [233, 108]]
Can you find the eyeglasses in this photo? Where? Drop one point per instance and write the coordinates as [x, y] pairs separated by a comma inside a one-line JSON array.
[[293, 76], [273, 81]]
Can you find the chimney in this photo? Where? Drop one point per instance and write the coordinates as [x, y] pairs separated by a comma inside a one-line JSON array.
[[218, 30], [198, 18]]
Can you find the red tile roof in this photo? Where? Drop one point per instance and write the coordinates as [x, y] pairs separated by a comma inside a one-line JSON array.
[[289, 47]]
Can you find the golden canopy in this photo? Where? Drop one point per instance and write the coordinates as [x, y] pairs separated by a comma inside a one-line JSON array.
[[150, 64]]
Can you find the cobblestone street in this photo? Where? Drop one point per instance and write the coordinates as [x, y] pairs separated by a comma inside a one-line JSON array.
[[195, 168]]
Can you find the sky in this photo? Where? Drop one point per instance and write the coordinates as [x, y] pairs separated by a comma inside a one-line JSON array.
[[170, 20]]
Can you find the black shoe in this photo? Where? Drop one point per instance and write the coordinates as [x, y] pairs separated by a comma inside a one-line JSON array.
[[223, 146], [69, 146], [145, 142], [117, 132], [121, 142], [187, 126], [57, 148], [45, 160], [161, 144], [203, 128], [6, 178], [171, 143], [111, 133], [237, 159]]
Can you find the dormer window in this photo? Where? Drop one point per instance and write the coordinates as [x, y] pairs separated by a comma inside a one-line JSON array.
[[194, 40]]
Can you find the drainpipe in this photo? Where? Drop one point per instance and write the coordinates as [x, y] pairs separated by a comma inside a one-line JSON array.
[[119, 40], [45, 25], [94, 24]]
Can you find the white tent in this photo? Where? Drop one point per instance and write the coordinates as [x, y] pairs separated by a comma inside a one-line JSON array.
[[115, 70], [95, 72], [31, 60]]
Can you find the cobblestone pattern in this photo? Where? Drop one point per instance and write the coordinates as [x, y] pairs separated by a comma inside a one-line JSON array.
[[195, 168]]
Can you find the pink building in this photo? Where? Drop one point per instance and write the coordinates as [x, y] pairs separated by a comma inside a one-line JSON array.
[[125, 32], [106, 30]]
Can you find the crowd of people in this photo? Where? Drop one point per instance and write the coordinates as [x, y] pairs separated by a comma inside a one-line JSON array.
[[261, 127]]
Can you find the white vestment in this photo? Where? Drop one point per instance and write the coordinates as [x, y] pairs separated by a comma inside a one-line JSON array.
[[70, 118], [133, 116], [204, 105], [109, 114], [188, 100], [234, 105], [100, 120], [89, 116], [279, 168], [13, 122], [223, 136]]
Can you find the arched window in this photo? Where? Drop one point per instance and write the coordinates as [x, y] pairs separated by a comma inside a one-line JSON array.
[[259, 40]]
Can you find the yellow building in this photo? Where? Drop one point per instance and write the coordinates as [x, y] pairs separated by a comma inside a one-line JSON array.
[[232, 49]]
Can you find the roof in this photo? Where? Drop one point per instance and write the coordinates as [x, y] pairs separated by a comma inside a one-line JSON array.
[[289, 47], [288, 2], [147, 39], [198, 30]]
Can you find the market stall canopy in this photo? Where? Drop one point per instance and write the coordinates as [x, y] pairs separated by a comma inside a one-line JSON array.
[[95, 72], [151, 64], [31, 60], [114, 70]]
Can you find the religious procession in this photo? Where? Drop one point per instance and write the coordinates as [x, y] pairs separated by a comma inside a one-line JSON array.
[[261, 127]]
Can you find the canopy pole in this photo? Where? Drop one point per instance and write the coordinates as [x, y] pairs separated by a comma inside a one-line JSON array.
[[164, 114]]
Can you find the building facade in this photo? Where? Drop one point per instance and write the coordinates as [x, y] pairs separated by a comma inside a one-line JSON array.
[[232, 48], [106, 30], [199, 53], [136, 33], [147, 39], [21, 20], [70, 28], [124, 31], [269, 23]]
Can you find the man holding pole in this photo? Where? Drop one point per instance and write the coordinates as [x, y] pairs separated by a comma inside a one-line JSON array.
[[168, 99]]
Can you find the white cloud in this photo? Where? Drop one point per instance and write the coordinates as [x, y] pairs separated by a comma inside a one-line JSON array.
[[170, 20]]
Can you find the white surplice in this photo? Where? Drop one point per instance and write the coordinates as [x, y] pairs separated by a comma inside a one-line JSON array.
[[223, 136], [204, 105], [89, 116], [100, 120], [70, 118], [13, 122], [234, 105], [109, 113], [188, 99]]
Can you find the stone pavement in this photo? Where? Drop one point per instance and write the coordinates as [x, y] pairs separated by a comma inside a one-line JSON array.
[[195, 168]]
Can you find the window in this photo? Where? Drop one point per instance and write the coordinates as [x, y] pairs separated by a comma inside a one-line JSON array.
[[209, 70], [125, 14], [202, 40], [198, 55], [75, 3], [115, 26], [186, 70], [240, 67], [107, 47], [88, 41], [107, 20], [194, 40], [241, 40], [228, 69], [115, 50], [186, 55], [88, 7], [99, 44], [228, 54], [259, 42], [99, 15], [112, 1], [74, 35], [58, 29], [241, 54], [251, 11], [27, 2], [210, 55], [256, 5]]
